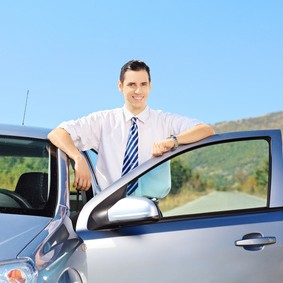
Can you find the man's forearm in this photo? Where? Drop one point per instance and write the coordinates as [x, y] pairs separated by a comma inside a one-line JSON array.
[[62, 139], [195, 134]]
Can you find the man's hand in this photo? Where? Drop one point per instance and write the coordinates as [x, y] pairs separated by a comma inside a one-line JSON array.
[[158, 148], [82, 180], [192, 135]]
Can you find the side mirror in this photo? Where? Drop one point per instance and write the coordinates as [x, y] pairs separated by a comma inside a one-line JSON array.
[[98, 214], [133, 209]]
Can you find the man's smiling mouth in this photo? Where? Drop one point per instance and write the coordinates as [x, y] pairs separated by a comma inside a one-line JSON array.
[[138, 97]]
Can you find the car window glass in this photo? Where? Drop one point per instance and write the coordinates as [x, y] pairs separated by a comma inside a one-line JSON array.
[[156, 183], [221, 177], [92, 155], [25, 176]]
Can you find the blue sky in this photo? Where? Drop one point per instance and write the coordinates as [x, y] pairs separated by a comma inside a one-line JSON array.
[[217, 60]]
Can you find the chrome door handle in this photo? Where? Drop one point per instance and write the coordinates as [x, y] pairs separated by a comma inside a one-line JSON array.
[[255, 241]]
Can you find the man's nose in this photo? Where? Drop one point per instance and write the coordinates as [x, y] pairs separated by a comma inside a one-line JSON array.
[[138, 90]]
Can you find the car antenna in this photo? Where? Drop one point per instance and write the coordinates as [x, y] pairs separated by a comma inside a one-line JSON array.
[[25, 110]]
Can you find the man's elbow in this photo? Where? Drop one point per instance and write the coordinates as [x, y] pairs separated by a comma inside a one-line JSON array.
[[51, 135], [207, 130], [210, 130], [56, 134]]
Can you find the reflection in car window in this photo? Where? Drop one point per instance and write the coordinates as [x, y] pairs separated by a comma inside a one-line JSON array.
[[222, 177], [156, 184], [25, 170]]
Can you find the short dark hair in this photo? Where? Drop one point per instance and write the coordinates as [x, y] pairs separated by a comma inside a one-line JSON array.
[[134, 65]]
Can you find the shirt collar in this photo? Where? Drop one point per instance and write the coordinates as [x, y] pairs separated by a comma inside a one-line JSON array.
[[143, 116]]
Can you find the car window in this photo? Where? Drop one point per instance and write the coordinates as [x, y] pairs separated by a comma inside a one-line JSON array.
[[92, 155], [221, 177], [28, 182], [156, 184]]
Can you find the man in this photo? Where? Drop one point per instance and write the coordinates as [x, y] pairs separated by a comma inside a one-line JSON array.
[[108, 131]]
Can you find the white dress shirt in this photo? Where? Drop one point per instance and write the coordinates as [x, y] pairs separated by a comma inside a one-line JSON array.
[[107, 132]]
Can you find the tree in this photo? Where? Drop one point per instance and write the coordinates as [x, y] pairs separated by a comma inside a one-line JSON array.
[[261, 175], [180, 174]]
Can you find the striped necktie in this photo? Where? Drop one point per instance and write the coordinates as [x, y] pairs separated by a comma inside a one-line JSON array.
[[131, 155]]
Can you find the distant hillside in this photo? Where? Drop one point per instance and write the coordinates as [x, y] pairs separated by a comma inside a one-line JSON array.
[[269, 121], [227, 165]]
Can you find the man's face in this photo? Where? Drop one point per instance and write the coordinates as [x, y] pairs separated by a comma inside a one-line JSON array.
[[136, 88]]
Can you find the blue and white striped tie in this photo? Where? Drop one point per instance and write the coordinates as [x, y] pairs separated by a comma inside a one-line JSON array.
[[131, 155]]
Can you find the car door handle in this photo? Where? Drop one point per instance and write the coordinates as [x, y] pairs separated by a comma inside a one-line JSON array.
[[255, 241]]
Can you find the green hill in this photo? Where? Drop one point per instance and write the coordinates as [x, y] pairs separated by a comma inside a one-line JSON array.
[[234, 166], [219, 163], [268, 121]]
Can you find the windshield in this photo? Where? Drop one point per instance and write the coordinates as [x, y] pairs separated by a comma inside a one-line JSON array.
[[28, 180]]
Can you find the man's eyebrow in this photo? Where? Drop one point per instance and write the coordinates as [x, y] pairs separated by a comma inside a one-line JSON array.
[[143, 83]]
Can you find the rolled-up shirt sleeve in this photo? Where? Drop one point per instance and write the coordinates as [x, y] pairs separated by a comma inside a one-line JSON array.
[[178, 124], [85, 132]]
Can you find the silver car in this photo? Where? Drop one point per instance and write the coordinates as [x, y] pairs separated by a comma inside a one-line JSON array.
[[207, 212]]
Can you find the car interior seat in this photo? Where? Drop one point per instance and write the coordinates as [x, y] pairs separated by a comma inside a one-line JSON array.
[[33, 186]]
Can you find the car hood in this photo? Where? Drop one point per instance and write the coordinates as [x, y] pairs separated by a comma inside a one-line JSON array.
[[17, 231]]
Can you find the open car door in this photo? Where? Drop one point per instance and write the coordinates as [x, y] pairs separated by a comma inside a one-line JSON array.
[[221, 221]]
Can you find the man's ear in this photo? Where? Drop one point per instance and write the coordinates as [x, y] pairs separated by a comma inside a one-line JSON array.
[[120, 86]]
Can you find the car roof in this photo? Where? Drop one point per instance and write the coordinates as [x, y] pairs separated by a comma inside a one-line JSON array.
[[24, 131]]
